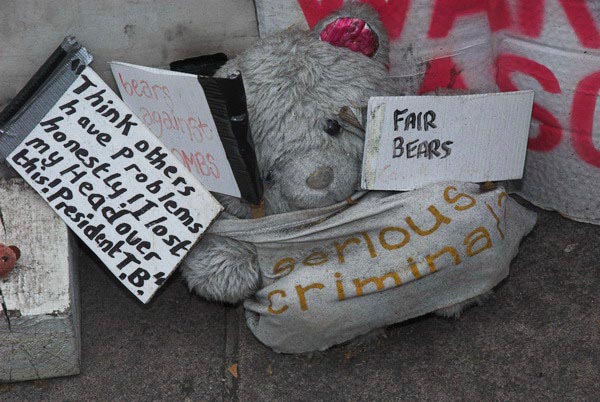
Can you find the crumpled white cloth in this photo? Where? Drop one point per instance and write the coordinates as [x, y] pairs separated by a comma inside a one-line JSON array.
[[334, 273]]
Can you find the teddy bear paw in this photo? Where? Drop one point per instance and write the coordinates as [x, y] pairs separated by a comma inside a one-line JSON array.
[[455, 310], [222, 269]]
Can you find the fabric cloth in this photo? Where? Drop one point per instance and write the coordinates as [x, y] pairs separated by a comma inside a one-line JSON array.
[[331, 274]]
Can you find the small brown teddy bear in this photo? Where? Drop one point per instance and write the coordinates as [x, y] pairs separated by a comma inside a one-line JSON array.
[[8, 258]]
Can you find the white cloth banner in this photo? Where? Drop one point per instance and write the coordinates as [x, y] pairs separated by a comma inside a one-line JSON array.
[[331, 274]]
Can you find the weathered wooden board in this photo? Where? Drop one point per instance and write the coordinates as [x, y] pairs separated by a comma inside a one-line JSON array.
[[39, 331]]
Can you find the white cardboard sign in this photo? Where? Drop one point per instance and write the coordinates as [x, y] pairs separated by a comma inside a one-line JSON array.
[[115, 185], [413, 141], [174, 107]]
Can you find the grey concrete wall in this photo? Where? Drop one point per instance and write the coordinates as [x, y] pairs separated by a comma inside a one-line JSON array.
[[147, 32]]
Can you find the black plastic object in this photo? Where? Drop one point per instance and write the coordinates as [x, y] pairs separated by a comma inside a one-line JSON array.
[[227, 102], [40, 93], [34, 83], [201, 65]]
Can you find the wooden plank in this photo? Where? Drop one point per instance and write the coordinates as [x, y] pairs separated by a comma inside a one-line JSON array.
[[39, 331]]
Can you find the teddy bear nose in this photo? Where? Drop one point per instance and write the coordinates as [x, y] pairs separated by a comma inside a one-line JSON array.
[[320, 178]]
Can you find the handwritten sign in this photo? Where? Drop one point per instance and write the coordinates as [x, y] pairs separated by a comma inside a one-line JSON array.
[[174, 107], [115, 185], [413, 141]]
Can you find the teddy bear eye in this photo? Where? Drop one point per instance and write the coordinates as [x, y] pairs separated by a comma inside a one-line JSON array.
[[5, 258], [269, 177], [332, 127]]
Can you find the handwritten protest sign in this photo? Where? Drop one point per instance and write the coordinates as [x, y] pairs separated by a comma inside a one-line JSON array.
[[115, 185], [413, 141], [174, 107]]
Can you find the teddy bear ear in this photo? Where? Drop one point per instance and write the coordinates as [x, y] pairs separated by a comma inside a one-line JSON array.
[[15, 250], [355, 26]]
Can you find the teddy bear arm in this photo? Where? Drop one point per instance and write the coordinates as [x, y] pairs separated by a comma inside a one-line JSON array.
[[222, 269], [455, 310], [229, 68], [235, 206]]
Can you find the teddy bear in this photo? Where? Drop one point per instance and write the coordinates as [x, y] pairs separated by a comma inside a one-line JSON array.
[[8, 258], [305, 92]]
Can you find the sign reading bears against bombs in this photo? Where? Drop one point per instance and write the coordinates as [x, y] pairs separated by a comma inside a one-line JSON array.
[[413, 141], [174, 107], [115, 185]]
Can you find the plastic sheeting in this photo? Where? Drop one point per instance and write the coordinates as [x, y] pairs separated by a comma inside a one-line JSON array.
[[549, 46]]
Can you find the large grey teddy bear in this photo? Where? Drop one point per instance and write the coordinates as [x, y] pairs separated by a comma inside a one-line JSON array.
[[296, 83]]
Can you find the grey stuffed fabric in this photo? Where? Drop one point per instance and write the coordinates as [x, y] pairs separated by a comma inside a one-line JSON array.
[[294, 83]]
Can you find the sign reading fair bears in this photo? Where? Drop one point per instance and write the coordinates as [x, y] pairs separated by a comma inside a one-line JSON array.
[[413, 141], [115, 184]]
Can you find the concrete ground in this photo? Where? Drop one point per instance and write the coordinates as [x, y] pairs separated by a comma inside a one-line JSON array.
[[538, 338]]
